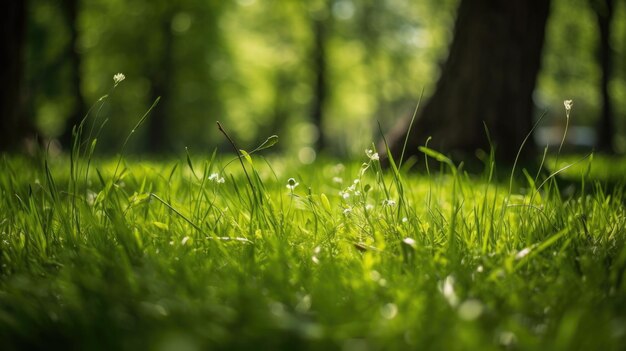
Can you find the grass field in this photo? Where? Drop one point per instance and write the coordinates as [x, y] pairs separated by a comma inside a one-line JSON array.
[[195, 254]]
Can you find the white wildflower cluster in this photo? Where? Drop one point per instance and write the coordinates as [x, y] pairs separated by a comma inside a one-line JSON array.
[[292, 184], [118, 78], [351, 190], [389, 202], [372, 155], [214, 177]]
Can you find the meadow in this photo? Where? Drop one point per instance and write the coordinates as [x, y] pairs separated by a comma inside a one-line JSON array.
[[261, 252]]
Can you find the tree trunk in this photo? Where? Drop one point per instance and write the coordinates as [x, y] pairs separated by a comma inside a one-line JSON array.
[[604, 10], [161, 80], [71, 9], [489, 77], [320, 86], [12, 126]]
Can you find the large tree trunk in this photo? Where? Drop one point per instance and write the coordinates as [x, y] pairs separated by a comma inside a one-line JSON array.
[[12, 126], [489, 77], [604, 10]]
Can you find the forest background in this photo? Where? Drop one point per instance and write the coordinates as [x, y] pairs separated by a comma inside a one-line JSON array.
[[320, 74]]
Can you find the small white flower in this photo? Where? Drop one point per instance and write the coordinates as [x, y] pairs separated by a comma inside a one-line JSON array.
[[372, 155], [410, 242], [344, 195], [369, 207], [337, 180], [568, 105], [389, 202], [404, 219], [214, 177], [347, 211], [292, 184], [118, 78]]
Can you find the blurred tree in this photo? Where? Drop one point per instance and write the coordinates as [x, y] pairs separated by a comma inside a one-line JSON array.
[[320, 25], [283, 66], [489, 76], [604, 11], [70, 9], [13, 126], [160, 76], [168, 49]]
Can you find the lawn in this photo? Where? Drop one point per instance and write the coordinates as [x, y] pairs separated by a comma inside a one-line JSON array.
[[195, 253]]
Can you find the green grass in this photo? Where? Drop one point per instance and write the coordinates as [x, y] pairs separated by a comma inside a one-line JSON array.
[[124, 254]]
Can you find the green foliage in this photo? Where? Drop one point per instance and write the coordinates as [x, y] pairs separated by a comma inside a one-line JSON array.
[[249, 63], [570, 65], [206, 253]]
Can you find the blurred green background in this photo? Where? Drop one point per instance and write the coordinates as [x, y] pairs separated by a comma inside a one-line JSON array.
[[318, 73]]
